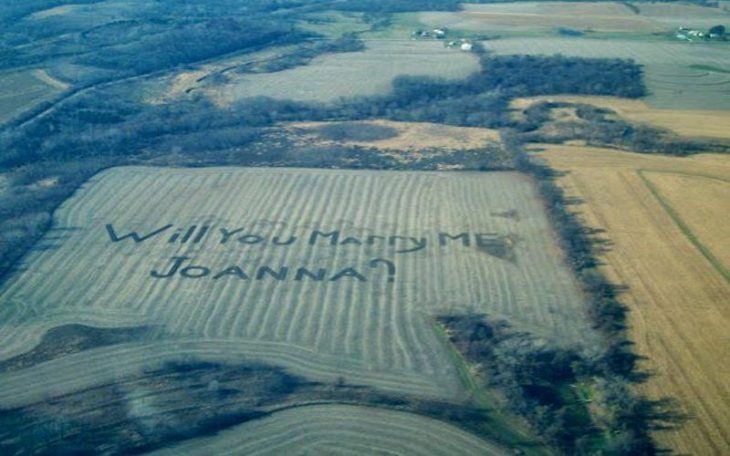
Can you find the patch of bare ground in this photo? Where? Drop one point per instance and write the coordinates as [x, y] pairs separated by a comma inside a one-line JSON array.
[[409, 136], [43, 76]]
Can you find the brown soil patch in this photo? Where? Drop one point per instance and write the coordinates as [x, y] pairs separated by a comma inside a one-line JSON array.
[[412, 136]]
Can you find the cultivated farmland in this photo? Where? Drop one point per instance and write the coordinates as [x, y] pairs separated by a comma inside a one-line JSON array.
[[664, 217], [528, 17], [381, 254], [679, 14], [172, 87], [340, 429], [697, 200], [678, 75], [350, 74]]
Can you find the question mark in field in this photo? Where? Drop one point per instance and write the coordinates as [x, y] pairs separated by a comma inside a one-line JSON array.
[[389, 264]]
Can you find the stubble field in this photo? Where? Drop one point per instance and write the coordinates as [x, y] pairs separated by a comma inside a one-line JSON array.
[[698, 199], [532, 16], [351, 314], [664, 219], [632, 19], [350, 74]]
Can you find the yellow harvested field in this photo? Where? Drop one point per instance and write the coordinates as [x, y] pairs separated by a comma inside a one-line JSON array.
[[698, 201], [598, 16], [414, 136], [682, 14], [677, 297], [695, 123], [678, 10], [593, 16]]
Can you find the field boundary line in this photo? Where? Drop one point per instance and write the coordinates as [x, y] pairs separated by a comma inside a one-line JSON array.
[[706, 252], [462, 367], [501, 429], [684, 173]]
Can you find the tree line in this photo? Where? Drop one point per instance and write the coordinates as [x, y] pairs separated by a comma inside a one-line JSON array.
[[577, 403], [603, 128]]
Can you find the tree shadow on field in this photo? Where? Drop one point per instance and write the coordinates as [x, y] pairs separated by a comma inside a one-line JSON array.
[[149, 409], [585, 248]]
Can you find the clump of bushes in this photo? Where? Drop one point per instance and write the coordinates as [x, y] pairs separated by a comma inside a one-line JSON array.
[[579, 404]]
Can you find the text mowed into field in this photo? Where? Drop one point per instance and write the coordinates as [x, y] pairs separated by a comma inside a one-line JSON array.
[[326, 272]]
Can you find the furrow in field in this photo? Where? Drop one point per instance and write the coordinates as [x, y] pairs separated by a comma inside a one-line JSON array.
[[248, 321], [303, 315], [486, 296], [348, 321], [391, 344], [226, 295], [285, 203], [341, 198], [286, 319], [414, 321], [310, 327], [512, 301], [189, 315], [692, 201]]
